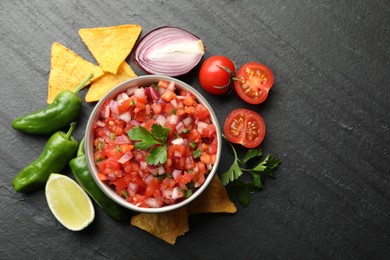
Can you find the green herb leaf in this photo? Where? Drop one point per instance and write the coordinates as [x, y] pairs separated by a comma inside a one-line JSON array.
[[257, 180], [192, 144], [241, 191], [144, 136], [197, 153], [156, 138], [160, 133], [232, 174], [244, 192], [252, 153], [267, 165], [158, 155], [231, 178], [124, 193]]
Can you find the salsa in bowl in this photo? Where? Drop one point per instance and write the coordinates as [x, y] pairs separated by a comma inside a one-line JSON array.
[[153, 144]]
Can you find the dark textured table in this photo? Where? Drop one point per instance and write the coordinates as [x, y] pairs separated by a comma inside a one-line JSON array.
[[327, 119]]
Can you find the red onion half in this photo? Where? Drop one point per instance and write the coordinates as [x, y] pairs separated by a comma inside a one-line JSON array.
[[169, 51]]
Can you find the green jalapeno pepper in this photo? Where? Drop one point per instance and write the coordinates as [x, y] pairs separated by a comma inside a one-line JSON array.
[[61, 112], [80, 170], [59, 149]]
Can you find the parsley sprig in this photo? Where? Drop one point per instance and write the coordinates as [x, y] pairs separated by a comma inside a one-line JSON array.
[[232, 178], [154, 139]]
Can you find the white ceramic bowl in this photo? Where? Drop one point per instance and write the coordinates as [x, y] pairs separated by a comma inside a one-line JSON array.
[[145, 81]]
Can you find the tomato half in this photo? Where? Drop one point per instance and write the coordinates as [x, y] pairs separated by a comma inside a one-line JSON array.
[[245, 127], [213, 76], [253, 81]]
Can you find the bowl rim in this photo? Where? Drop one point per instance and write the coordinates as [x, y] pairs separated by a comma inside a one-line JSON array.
[[142, 81]]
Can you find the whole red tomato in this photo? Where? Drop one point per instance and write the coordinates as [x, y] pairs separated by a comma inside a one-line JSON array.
[[245, 127], [216, 73], [253, 81]]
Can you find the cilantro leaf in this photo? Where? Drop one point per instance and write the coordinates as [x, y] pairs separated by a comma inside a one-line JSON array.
[[241, 191], [232, 177], [267, 165], [251, 153], [144, 136], [257, 180], [232, 174], [154, 139], [160, 133], [158, 155], [234, 171]]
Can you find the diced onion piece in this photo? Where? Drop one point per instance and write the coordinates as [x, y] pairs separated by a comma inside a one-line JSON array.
[[100, 123], [153, 203], [176, 193], [107, 112], [161, 170], [202, 126], [153, 170], [125, 157], [134, 122], [122, 139], [125, 117], [174, 103], [130, 91], [113, 106], [139, 92], [173, 119], [187, 121], [161, 120], [122, 97], [171, 85], [143, 165], [180, 127], [169, 51], [176, 173], [178, 141], [153, 93]]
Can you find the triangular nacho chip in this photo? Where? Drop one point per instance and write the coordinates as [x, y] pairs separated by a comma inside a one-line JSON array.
[[214, 199], [105, 83], [68, 70], [166, 226], [110, 45]]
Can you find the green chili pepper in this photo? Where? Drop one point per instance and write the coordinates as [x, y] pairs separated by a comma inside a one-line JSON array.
[[61, 112], [59, 149], [80, 170]]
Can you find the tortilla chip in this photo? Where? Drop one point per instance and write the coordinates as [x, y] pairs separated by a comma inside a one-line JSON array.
[[214, 199], [68, 70], [101, 86], [110, 45], [166, 226]]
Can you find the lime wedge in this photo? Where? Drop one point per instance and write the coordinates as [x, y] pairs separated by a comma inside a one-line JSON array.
[[68, 202]]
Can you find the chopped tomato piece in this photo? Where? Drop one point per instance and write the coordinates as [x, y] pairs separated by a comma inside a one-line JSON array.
[[202, 111], [168, 95]]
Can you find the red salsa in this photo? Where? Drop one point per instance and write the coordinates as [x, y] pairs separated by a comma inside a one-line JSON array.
[[191, 144]]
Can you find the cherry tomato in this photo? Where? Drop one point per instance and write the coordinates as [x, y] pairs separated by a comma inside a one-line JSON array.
[[213, 74], [253, 81], [245, 127]]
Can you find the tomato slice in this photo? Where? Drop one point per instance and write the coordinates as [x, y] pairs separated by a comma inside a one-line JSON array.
[[245, 127], [253, 81]]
